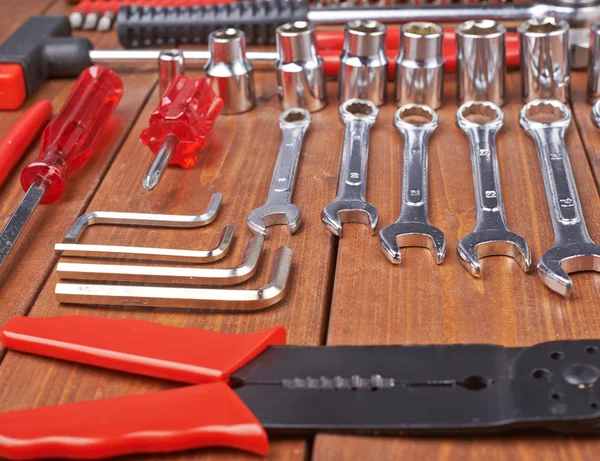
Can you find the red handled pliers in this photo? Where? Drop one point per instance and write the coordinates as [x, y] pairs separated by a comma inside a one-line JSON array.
[[246, 385]]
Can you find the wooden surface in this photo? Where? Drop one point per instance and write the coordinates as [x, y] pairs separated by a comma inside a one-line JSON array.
[[341, 292]]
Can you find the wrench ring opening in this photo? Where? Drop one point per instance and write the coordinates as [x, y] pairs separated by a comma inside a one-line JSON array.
[[359, 108], [422, 29], [294, 116], [479, 113], [545, 112], [416, 116], [485, 29], [543, 27]]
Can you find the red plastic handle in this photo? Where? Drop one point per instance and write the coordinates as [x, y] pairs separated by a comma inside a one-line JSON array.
[[21, 135], [188, 109], [187, 355], [179, 419], [68, 139]]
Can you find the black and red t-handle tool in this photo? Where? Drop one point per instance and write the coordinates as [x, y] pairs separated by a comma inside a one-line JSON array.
[[254, 385]]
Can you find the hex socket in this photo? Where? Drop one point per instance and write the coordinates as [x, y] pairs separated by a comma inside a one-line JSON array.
[[231, 74], [363, 63], [545, 68], [420, 65], [300, 74], [481, 62], [593, 87], [170, 65]]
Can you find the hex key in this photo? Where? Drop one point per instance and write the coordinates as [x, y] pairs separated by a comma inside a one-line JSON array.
[[168, 275], [184, 298], [148, 253], [143, 219]]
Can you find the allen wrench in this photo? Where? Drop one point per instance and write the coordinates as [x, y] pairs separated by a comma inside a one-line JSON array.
[[184, 298], [144, 219], [167, 275], [149, 253]]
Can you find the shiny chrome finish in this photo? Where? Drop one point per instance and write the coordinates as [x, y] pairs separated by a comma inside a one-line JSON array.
[[593, 89], [184, 298], [545, 68], [144, 219], [363, 63], [546, 121], [170, 65], [230, 71], [350, 205], [278, 209], [420, 65], [300, 74], [413, 229], [167, 275], [595, 113], [149, 254], [481, 121], [481, 62]]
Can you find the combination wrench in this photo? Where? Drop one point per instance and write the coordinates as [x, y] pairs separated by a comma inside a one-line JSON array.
[[415, 122], [481, 121], [350, 205], [278, 208], [546, 121]]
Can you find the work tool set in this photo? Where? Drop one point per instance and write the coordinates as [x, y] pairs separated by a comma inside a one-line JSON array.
[[243, 387]]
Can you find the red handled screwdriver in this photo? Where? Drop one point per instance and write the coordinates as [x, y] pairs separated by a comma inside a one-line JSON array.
[[178, 127], [66, 146]]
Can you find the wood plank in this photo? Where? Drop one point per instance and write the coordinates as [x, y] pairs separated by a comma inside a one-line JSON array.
[[419, 302], [32, 258], [237, 161]]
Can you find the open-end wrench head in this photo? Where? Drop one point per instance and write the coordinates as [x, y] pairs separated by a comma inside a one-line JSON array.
[[359, 109], [493, 242], [557, 263], [274, 215], [410, 234], [428, 118], [350, 211], [544, 113], [490, 114]]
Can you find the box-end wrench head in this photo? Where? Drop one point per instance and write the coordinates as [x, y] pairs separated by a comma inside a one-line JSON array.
[[546, 121], [350, 204], [278, 210], [415, 122], [481, 121]]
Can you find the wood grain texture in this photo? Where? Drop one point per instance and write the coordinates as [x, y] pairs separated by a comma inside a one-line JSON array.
[[418, 302], [27, 268]]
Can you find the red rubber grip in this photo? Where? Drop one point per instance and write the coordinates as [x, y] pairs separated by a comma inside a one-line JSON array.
[[207, 415], [187, 355]]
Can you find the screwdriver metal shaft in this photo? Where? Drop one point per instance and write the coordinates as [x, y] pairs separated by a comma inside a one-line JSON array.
[[67, 143]]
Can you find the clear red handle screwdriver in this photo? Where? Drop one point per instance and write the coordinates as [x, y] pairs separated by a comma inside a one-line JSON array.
[[67, 144], [178, 127]]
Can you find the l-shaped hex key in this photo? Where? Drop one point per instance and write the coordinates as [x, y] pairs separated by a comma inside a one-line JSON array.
[[184, 298], [150, 253], [165, 274], [144, 219]]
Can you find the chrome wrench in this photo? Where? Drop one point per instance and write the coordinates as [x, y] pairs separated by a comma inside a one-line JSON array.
[[546, 121], [278, 208], [416, 122], [481, 121], [350, 204]]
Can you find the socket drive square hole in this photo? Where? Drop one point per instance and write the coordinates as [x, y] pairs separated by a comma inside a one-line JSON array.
[[480, 113], [545, 112], [416, 115]]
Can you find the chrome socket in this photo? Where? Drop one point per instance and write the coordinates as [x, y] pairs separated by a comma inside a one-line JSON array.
[[545, 68], [300, 75], [363, 63], [481, 62], [230, 72], [170, 65], [593, 90], [420, 65]]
